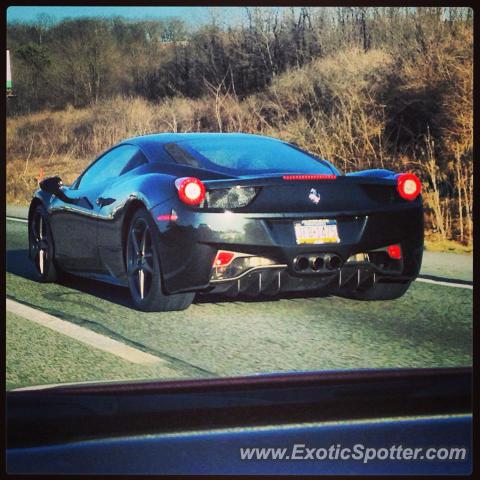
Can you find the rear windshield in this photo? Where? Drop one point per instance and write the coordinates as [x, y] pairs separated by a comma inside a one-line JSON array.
[[246, 156]]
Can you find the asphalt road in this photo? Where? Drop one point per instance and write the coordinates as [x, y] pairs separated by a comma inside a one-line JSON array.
[[431, 326]]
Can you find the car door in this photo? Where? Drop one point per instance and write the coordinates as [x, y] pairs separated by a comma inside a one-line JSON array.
[[74, 225]]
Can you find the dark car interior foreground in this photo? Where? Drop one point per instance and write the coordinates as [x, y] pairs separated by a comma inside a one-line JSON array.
[[205, 426]]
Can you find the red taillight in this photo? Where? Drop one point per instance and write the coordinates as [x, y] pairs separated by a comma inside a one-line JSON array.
[[408, 186], [191, 190], [223, 258], [395, 252], [312, 176]]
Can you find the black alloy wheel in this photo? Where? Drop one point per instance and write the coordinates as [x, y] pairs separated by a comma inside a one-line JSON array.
[[143, 268], [140, 259], [41, 246]]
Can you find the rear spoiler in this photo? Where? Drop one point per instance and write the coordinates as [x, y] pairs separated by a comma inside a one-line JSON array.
[[375, 173]]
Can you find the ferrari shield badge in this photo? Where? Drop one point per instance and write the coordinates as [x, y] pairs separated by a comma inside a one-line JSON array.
[[314, 196]]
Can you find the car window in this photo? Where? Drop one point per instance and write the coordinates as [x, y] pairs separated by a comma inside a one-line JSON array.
[[114, 163], [135, 161], [246, 156], [182, 156]]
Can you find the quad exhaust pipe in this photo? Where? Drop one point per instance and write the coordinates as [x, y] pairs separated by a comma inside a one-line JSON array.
[[317, 262], [302, 264], [332, 262]]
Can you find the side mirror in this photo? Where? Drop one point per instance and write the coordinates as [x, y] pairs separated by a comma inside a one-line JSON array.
[[53, 186]]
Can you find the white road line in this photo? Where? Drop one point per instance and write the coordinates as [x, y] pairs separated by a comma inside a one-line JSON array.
[[15, 219], [446, 284], [83, 335]]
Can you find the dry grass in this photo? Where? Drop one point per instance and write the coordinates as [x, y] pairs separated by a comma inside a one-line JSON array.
[[22, 179], [435, 243]]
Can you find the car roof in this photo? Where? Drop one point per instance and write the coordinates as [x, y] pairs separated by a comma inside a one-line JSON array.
[[155, 139], [151, 144]]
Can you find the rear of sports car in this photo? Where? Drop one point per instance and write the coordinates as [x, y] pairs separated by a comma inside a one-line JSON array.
[[358, 235]]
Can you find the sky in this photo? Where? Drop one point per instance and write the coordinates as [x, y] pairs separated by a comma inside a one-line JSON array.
[[191, 15]]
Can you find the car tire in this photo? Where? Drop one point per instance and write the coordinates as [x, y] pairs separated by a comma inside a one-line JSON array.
[[378, 291], [142, 259], [41, 246]]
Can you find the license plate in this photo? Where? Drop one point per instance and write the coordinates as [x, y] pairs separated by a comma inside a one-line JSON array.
[[316, 231]]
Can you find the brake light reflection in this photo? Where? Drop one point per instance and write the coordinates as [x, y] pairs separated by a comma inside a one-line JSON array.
[[171, 217]]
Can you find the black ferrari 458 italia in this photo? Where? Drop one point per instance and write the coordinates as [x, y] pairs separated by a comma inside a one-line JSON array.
[[172, 215]]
